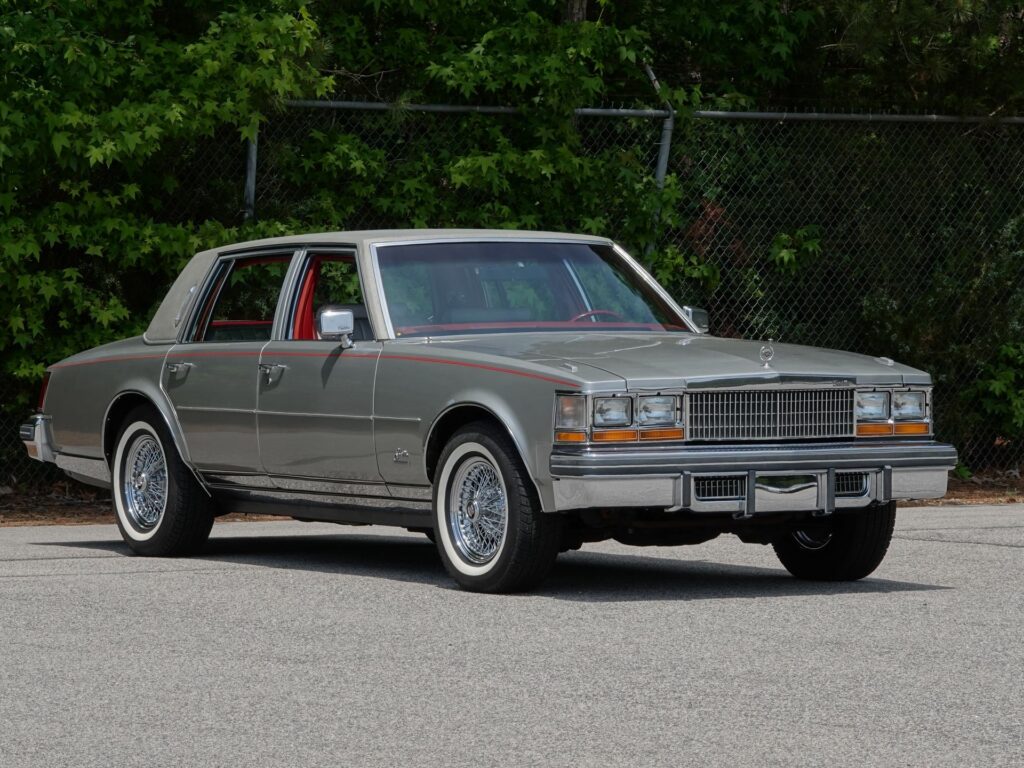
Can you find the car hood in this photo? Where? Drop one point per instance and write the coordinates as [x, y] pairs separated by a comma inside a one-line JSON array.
[[671, 360]]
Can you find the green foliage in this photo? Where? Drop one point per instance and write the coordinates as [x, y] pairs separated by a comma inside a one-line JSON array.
[[791, 252], [1001, 389], [96, 101]]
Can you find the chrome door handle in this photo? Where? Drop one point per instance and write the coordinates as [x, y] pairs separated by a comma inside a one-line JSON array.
[[270, 370], [178, 367]]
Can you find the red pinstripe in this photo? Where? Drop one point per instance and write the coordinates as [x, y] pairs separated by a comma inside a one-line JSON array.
[[285, 353]]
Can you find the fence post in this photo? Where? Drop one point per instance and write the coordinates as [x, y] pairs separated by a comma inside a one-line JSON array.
[[250, 178], [664, 147]]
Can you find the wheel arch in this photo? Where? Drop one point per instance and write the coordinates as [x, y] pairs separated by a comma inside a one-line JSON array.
[[122, 404], [456, 416]]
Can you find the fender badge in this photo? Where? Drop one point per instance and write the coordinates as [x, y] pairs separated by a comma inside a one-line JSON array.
[[767, 353]]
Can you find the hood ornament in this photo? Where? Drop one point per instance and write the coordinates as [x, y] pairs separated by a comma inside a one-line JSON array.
[[767, 353]]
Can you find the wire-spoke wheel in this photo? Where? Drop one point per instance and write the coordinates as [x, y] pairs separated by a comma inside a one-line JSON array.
[[145, 483], [161, 510], [478, 510], [848, 547], [491, 532]]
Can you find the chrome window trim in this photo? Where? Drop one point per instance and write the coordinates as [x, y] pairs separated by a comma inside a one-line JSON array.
[[646, 276]]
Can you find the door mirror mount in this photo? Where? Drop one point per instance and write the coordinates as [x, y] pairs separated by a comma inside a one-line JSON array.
[[699, 318]]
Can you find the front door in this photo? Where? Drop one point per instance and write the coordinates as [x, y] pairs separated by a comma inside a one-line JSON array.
[[211, 378], [316, 397]]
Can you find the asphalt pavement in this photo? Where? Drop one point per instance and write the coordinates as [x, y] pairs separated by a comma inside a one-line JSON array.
[[293, 644]]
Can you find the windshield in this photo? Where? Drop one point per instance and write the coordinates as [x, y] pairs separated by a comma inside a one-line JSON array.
[[434, 289]]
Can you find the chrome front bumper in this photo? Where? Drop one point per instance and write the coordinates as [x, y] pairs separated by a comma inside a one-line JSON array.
[[768, 478], [36, 436]]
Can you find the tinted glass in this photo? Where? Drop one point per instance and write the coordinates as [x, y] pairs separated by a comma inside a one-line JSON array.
[[243, 307], [445, 288]]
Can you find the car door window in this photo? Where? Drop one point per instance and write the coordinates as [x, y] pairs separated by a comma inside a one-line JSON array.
[[329, 279], [242, 302]]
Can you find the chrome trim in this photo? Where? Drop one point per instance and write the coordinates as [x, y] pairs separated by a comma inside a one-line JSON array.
[[656, 286], [212, 409], [851, 484], [360, 417], [330, 487], [411, 492], [767, 380], [237, 479], [674, 492], [770, 414], [37, 435], [653, 460]]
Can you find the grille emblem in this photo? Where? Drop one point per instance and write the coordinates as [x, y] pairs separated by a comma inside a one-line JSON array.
[[767, 353]]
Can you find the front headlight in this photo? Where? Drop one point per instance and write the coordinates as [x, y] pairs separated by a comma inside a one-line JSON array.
[[613, 411], [872, 406], [656, 411], [908, 406]]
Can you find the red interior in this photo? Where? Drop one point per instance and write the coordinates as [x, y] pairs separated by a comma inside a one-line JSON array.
[[303, 326], [304, 322], [239, 323]]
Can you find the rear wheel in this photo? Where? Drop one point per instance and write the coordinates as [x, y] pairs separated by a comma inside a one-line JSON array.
[[846, 548], [161, 510], [491, 533]]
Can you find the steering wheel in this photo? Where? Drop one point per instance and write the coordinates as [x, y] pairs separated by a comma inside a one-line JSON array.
[[595, 313]]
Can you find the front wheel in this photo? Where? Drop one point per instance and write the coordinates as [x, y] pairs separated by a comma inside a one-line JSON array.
[[161, 510], [845, 548], [491, 532]]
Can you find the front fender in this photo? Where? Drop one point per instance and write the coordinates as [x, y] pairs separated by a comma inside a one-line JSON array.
[[531, 436]]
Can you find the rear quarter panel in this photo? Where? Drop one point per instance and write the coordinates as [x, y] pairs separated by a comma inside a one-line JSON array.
[[82, 387]]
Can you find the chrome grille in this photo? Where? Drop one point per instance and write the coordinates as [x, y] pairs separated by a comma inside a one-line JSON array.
[[720, 487], [770, 414], [851, 483]]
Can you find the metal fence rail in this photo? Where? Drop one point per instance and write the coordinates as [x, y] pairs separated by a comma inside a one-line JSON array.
[[883, 234]]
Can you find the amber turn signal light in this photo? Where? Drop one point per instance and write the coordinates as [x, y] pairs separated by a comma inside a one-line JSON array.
[[873, 430], [614, 436], [662, 434], [570, 437], [912, 428]]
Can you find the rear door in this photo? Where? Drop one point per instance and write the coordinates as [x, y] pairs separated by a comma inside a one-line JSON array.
[[212, 376], [316, 397]]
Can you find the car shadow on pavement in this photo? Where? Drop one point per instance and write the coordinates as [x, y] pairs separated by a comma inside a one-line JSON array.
[[579, 576]]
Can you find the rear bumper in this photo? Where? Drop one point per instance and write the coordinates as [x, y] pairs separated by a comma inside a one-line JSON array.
[[764, 478], [38, 440]]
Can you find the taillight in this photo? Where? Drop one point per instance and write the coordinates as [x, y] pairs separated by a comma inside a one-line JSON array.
[[42, 392]]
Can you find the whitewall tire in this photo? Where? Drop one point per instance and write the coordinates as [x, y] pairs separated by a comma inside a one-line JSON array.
[[491, 533], [161, 509]]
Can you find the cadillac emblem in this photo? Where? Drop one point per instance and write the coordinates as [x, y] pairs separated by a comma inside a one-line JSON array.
[[767, 353]]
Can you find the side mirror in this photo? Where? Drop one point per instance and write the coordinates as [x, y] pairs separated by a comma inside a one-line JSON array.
[[335, 324], [699, 317]]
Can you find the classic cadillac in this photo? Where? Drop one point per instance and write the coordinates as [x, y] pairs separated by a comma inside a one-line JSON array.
[[509, 394]]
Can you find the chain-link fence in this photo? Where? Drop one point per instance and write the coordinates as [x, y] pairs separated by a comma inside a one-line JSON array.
[[901, 237]]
